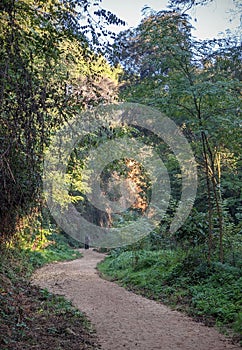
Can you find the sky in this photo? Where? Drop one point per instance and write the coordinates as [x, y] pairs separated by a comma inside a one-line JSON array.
[[210, 20]]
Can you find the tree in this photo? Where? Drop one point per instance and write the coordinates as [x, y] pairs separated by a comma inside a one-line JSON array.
[[184, 6], [48, 71], [198, 85]]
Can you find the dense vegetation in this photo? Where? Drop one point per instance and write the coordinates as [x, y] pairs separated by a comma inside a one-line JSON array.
[[48, 72], [55, 63], [31, 317], [183, 280], [197, 84]]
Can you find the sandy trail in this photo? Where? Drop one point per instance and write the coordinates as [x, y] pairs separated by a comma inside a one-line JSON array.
[[124, 320]]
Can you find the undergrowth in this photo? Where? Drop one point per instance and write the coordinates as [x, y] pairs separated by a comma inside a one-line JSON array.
[[210, 293], [32, 318], [20, 257]]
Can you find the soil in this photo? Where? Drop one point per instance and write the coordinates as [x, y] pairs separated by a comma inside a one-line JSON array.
[[122, 319], [33, 319]]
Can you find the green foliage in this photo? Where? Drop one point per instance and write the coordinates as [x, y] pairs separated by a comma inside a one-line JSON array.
[[59, 305], [48, 74], [238, 323], [39, 317], [198, 85], [22, 256], [219, 296], [182, 279], [56, 249], [30, 316]]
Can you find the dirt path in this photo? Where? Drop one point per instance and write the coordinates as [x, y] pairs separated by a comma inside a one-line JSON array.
[[124, 320]]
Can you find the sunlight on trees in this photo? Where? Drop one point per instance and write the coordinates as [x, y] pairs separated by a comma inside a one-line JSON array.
[[198, 85], [48, 73]]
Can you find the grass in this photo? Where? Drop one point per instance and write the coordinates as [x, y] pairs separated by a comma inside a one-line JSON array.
[[32, 318], [183, 280]]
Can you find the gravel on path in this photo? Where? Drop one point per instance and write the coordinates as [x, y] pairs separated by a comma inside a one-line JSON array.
[[122, 319]]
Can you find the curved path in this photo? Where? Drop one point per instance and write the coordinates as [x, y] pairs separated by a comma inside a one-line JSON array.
[[122, 319]]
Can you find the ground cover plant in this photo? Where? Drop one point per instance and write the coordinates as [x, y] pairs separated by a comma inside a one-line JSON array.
[[209, 292], [32, 318]]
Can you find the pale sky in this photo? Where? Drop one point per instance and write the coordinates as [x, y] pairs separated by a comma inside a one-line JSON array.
[[211, 19]]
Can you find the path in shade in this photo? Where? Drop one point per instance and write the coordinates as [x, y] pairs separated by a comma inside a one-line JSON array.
[[122, 319]]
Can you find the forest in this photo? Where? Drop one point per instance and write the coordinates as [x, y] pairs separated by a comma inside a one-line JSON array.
[[59, 60]]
